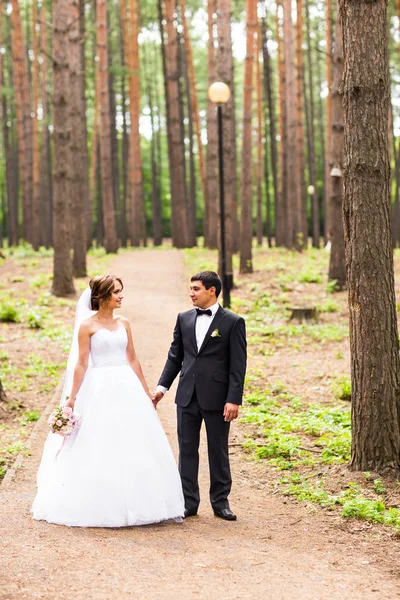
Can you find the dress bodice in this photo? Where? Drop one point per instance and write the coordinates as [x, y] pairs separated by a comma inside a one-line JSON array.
[[108, 348]]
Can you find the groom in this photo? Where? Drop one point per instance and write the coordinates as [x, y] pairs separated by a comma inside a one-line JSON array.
[[209, 351]]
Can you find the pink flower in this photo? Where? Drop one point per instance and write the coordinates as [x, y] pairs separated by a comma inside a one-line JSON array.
[[67, 410], [59, 422]]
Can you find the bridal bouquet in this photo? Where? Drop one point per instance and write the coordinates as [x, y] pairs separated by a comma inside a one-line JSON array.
[[63, 421]]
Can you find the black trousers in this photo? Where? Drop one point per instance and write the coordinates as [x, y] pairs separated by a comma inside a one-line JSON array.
[[190, 419]]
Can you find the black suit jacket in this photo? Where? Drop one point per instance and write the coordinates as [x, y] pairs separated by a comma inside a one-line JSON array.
[[217, 370]]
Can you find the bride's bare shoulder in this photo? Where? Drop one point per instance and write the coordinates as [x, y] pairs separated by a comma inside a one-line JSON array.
[[88, 326]]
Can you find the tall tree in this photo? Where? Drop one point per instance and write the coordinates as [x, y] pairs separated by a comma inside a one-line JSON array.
[[136, 191], [259, 167], [337, 267], [374, 344], [176, 151], [23, 114], [46, 214], [293, 193], [311, 133], [246, 229], [280, 213], [110, 233], [301, 198], [79, 177], [225, 72], [35, 225], [211, 194], [269, 99], [329, 115], [62, 268]]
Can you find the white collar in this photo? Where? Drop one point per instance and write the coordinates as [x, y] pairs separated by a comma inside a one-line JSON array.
[[214, 309]]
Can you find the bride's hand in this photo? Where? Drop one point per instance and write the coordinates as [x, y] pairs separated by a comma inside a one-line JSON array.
[[70, 403]]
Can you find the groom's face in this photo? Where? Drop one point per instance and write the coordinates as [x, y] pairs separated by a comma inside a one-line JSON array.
[[200, 297]]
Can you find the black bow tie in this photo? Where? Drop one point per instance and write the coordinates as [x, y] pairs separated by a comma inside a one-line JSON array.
[[203, 312]]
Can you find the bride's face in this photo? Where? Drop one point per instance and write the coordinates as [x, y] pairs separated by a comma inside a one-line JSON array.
[[116, 297]]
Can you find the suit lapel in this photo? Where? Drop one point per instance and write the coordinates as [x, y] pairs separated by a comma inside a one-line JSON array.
[[220, 315], [192, 329]]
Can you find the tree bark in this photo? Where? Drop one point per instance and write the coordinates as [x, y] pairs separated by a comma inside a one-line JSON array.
[[293, 210], [246, 228], [193, 96], [177, 152], [313, 175], [62, 268], [35, 226], [374, 345], [329, 114], [110, 233], [337, 267], [280, 213], [259, 168], [269, 98], [46, 193], [79, 183], [24, 120], [212, 190], [301, 198], [225, 72]]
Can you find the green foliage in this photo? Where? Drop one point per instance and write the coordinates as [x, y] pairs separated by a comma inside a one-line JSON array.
[[30, 417], [342, 388], [35, 320], [328, 306], [310, 276], [9, 313]]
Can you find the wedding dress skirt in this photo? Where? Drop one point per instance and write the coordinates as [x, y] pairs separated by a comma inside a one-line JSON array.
[[118, 469]]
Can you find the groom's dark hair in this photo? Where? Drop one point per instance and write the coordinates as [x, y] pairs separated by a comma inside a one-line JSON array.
[[209, 279]]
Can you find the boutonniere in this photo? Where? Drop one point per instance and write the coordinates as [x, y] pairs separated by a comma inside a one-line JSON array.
[[215, 333]]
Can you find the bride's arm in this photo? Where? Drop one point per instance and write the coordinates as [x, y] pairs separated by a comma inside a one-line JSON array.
[[82, 363], [133, 360]]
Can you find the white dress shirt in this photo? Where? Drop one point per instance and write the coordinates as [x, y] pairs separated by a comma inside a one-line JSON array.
[[203, 324]]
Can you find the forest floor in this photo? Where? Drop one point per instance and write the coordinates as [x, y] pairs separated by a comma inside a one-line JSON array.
[[294, 427]]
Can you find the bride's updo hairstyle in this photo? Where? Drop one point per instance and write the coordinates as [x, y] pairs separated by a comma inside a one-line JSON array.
[[102, 287]]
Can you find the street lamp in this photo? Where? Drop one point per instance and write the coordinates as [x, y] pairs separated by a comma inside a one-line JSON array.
[[219, 93]]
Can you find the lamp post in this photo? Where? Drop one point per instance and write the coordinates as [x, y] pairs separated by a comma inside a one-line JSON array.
[[219, 93]]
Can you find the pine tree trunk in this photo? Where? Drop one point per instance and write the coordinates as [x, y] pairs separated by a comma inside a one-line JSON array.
[[329, 131], [374, 345], [35, 226], [321, 130], [177, 152], [192, 200], [125, 142], [155, 196], [301, 186], [135, 171], [46, 219], [259, 168], [246, 226], [337, 267], [193, 96], [24, 119], [211, 196], [110, 233], [281, 208], [114, 144], [225, 72], [313, 175], [62, 269], [293, 214], [79, 184], [269, 97]]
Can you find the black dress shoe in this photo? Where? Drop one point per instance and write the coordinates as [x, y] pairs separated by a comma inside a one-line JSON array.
[[190, 512], [225, 513]]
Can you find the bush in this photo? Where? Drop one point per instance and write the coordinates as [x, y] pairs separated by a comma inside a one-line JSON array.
[[8, 313]]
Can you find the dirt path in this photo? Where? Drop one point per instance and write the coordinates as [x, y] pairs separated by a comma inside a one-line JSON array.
[[277, 549]]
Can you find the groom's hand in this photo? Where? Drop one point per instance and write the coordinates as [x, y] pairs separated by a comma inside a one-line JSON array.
[[157, 395], [231, 411]]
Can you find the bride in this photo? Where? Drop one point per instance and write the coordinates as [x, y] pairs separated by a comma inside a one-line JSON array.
[[118, 468]]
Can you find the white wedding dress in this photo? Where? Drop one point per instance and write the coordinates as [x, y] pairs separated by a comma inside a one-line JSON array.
[[118, 468]]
